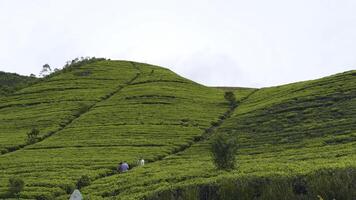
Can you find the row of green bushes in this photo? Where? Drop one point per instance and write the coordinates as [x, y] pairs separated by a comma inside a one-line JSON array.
[[16, 185], [323, 184], [33, 136]]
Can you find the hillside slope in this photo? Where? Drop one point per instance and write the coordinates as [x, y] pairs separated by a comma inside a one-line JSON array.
[[10, 82], [288, 136], [296, 141], [96, 115]]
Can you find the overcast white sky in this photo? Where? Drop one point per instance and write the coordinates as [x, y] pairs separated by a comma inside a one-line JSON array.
[[252, 43]]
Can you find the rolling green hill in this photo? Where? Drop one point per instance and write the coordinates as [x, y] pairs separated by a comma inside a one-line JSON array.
[[296, 141], [288, 135], [10, 82], [117, 111]]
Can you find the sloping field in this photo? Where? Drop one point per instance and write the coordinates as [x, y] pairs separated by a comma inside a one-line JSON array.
[[52, 104], [96, 115], [296, 141], [11, 82]]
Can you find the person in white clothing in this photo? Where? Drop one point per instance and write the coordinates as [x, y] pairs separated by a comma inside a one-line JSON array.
[[141, 162], [76, 195]]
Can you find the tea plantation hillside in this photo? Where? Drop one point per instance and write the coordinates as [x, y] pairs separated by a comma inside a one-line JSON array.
[[296, 141], [10, 82], [93, 116], [52, 104]]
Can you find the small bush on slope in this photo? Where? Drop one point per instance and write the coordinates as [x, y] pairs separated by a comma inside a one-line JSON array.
[[32, 136], [230, 97], [83, 181], [16, 185], [223, 151]]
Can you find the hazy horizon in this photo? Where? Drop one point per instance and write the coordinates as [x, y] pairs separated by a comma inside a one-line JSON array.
[[215, 43]]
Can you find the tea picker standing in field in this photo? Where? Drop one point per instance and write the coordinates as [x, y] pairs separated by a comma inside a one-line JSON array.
[[76, 195], [141, 162], [123, 167]]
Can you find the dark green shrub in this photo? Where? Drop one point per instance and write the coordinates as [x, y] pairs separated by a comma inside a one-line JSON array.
[[83, 181], [83, 108], [13, 148], [83, 73], [208, 192], [11, 82], [230, 97], [214, 124], [300, 186], [68, 188], [32, 136], [16, 185], [223, 150], [3, 151], [44, 197]]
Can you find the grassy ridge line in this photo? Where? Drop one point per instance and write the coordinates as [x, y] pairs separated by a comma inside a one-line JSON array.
[[12, 82], [205, 136], [104, 98]]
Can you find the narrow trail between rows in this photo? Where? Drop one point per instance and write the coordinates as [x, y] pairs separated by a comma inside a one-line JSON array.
[[90, 107], [205, 136]]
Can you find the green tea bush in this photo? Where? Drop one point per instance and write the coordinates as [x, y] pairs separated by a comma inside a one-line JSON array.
[[44, 197], [32, 136], [223, 151], [230, 97], [68, 188], [83, 181], [83, 108], [16, 185]]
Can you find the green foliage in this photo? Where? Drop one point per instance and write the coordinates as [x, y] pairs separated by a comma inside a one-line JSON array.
[[83, 181], [325, 184], [68, 188], [11, 82], [83, 108], [78, 62], [223, 151], [46, 70], [96, 114], [16, 185], [44, 197], [32, 136], [230, 97], [73, 66]]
